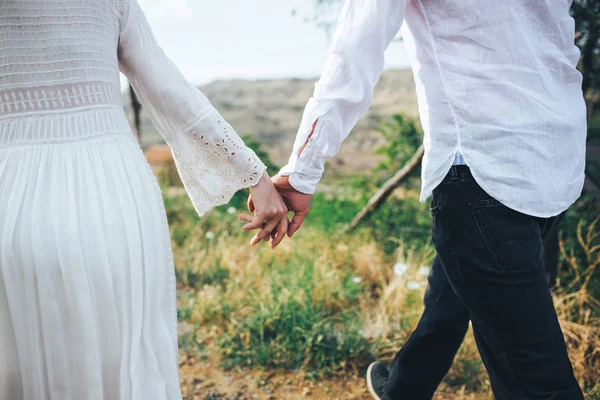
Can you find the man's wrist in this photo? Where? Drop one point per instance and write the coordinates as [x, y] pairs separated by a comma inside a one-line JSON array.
[[302, 177], [302, 183]]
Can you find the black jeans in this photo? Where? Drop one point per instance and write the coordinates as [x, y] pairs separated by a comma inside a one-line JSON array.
[[489, 270]]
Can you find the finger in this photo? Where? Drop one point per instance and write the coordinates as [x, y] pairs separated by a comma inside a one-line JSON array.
[[266, 231], [255, 240], [245, 217], [275, 236], [250, 204], [271, 236], [281, 230], [296, 224], [255, 223]]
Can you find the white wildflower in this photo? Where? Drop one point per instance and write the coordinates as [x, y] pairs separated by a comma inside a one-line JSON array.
[[210, 235], [231, 210], [356, 279], [412, 285], [400, 268], [424, 271]]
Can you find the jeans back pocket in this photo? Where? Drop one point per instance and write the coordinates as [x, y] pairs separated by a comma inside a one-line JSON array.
[[513, 239]]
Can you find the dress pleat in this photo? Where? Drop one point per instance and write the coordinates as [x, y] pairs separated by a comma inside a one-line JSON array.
[[85, 251]]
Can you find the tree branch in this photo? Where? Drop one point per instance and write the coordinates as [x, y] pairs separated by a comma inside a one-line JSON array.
[[387, 189]]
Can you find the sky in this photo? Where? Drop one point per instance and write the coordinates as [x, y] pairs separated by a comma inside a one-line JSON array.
[[229, 39]]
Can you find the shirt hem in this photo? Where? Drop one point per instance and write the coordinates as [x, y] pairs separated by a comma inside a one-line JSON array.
[[426, 193]]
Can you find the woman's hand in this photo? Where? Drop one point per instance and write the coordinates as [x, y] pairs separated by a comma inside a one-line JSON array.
[[270, 213]]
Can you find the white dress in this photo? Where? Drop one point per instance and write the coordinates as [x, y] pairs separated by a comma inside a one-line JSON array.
[[87, 286]]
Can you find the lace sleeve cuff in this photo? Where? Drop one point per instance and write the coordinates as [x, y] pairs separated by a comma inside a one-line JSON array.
[[213, 161]]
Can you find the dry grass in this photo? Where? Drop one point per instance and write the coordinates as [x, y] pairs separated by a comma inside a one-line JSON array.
[[579, 311], [325, 304]]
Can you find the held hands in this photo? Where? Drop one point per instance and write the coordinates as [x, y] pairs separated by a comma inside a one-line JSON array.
[[278, 226], [270, 213]]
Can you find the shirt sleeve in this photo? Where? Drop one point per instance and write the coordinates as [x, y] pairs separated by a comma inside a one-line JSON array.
[[211, 158], [345, 91]]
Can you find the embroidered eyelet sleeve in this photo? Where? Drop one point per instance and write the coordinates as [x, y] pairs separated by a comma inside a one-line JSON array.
[[211, 158], [345, 91]]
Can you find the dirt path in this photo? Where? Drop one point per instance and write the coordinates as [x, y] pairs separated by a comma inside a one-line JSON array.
[[201, 380]]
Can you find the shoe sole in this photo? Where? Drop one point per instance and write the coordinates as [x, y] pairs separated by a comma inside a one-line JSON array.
[[370, 384]]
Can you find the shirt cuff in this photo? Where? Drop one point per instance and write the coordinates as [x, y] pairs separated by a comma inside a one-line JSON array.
[[302, 178]]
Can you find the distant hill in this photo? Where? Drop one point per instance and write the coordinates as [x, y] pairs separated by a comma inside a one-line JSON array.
[[271, 111]]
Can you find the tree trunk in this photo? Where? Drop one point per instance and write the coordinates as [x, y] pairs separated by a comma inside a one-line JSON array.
[[388, 188], [137, 110]]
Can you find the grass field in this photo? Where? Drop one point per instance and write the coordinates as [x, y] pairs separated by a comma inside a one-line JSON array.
[[305, 320]]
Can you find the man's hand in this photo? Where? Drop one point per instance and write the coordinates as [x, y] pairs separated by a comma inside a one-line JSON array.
[[297, 202]]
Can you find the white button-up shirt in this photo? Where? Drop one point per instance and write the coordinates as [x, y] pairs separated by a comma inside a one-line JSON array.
[[496, 82]]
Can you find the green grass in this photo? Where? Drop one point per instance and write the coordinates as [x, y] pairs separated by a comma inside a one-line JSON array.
[[325, 302]]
